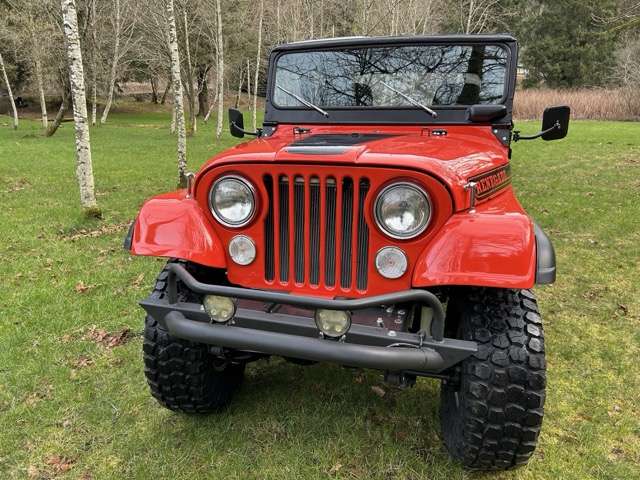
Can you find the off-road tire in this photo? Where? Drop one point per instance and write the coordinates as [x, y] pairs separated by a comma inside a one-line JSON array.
[[181, 374], [492, 415]]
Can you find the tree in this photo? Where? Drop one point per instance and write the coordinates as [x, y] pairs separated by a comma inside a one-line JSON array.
[[220, 72], [255, 81], [123, 29], [178, 101], [565, 47], [5, 77], [84, 168]]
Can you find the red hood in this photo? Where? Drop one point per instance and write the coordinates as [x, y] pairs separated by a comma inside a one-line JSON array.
[[464, 151]]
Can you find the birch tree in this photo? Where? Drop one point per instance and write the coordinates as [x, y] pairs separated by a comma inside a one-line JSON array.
[[84, 168], [178, 100], [5, 77], [255, 80], [124, 23], [220, 75], [94, 62]]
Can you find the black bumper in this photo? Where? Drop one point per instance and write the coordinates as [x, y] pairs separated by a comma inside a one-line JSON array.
[[296, 336]]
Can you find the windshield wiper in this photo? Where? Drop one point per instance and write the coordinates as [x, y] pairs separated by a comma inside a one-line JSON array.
[[412, 101], [303, 101]]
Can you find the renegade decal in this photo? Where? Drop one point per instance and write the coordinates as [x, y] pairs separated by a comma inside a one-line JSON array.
[[491, 182]]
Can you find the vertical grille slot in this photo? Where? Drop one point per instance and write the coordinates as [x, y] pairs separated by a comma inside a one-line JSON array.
[[347, 232], [330, 228], [363, 239], [269, 249], [298, 225], [283, 221], [314, 231]]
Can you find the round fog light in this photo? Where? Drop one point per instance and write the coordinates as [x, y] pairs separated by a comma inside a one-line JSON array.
[[219, 309], [391, 262], [242, 250], [333, 323]]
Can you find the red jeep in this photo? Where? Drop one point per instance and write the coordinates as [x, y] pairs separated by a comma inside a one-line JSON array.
[[372, 223]]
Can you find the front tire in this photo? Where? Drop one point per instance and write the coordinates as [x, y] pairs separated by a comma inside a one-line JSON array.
[[182, 375], [491, 417]]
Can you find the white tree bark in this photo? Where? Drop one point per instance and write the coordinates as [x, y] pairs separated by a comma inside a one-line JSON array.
[[255, 80], [248, 85], [191, 94], [220, 76], [177, 94], [9, 92], [43, 100], [114, 63], [84, 168], [94, 65]]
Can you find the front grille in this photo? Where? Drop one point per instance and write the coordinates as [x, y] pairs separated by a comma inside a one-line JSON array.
[[315, 231]]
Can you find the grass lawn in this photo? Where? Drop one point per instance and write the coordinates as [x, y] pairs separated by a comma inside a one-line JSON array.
[[74, 405]]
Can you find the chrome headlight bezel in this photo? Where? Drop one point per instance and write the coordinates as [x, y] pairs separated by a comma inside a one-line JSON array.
[[221, 218], [378, 217]]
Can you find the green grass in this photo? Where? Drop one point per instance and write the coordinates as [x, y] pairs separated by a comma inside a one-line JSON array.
[[72, 407]]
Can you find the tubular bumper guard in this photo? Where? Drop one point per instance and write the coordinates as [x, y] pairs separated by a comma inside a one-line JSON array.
[[297, 336]]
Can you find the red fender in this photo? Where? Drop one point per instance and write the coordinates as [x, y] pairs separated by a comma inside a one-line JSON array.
[[490, 247], [172, 225]]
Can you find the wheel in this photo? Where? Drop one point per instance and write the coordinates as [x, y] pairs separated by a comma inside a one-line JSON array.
[[182, 375], [492, 415]]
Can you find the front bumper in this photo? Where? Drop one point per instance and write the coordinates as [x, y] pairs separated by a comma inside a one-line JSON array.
[[256, 329]]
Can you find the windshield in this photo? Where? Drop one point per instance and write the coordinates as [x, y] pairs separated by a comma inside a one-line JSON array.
[[399, 76]]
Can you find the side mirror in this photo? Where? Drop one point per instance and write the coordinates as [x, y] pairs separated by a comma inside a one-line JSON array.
[[236, 123], [555, 125], [555, 122]]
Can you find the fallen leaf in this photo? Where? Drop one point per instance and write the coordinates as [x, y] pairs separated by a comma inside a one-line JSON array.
[[335, 469], [379, 391], [138, 281], [106, 229], [33, 472], [106, 339], [59, 464], [81, 287], [82, 361]]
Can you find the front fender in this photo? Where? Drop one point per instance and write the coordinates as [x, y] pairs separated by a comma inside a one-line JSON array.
[[172, 225], [480, 248]]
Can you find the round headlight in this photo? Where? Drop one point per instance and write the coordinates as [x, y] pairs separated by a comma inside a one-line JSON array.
[[232, 201], [391, 262], [402, 210], [242, 250]]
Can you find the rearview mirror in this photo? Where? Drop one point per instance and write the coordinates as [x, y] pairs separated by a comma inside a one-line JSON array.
[[555, 125], [555, 122], [236, 123]]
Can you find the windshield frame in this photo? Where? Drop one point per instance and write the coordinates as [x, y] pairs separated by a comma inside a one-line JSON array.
[[405, 114]]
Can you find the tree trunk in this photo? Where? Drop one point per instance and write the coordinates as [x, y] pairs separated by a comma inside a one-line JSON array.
[[114, 65], [53, 128], [176, 79], [248, 85], [154, 89], [255, 80], [84, 169], [240, 82], [189, 86], [10, 93], [43, 100], [94, 65], [166, 92], [203, 90], [220, 88]]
